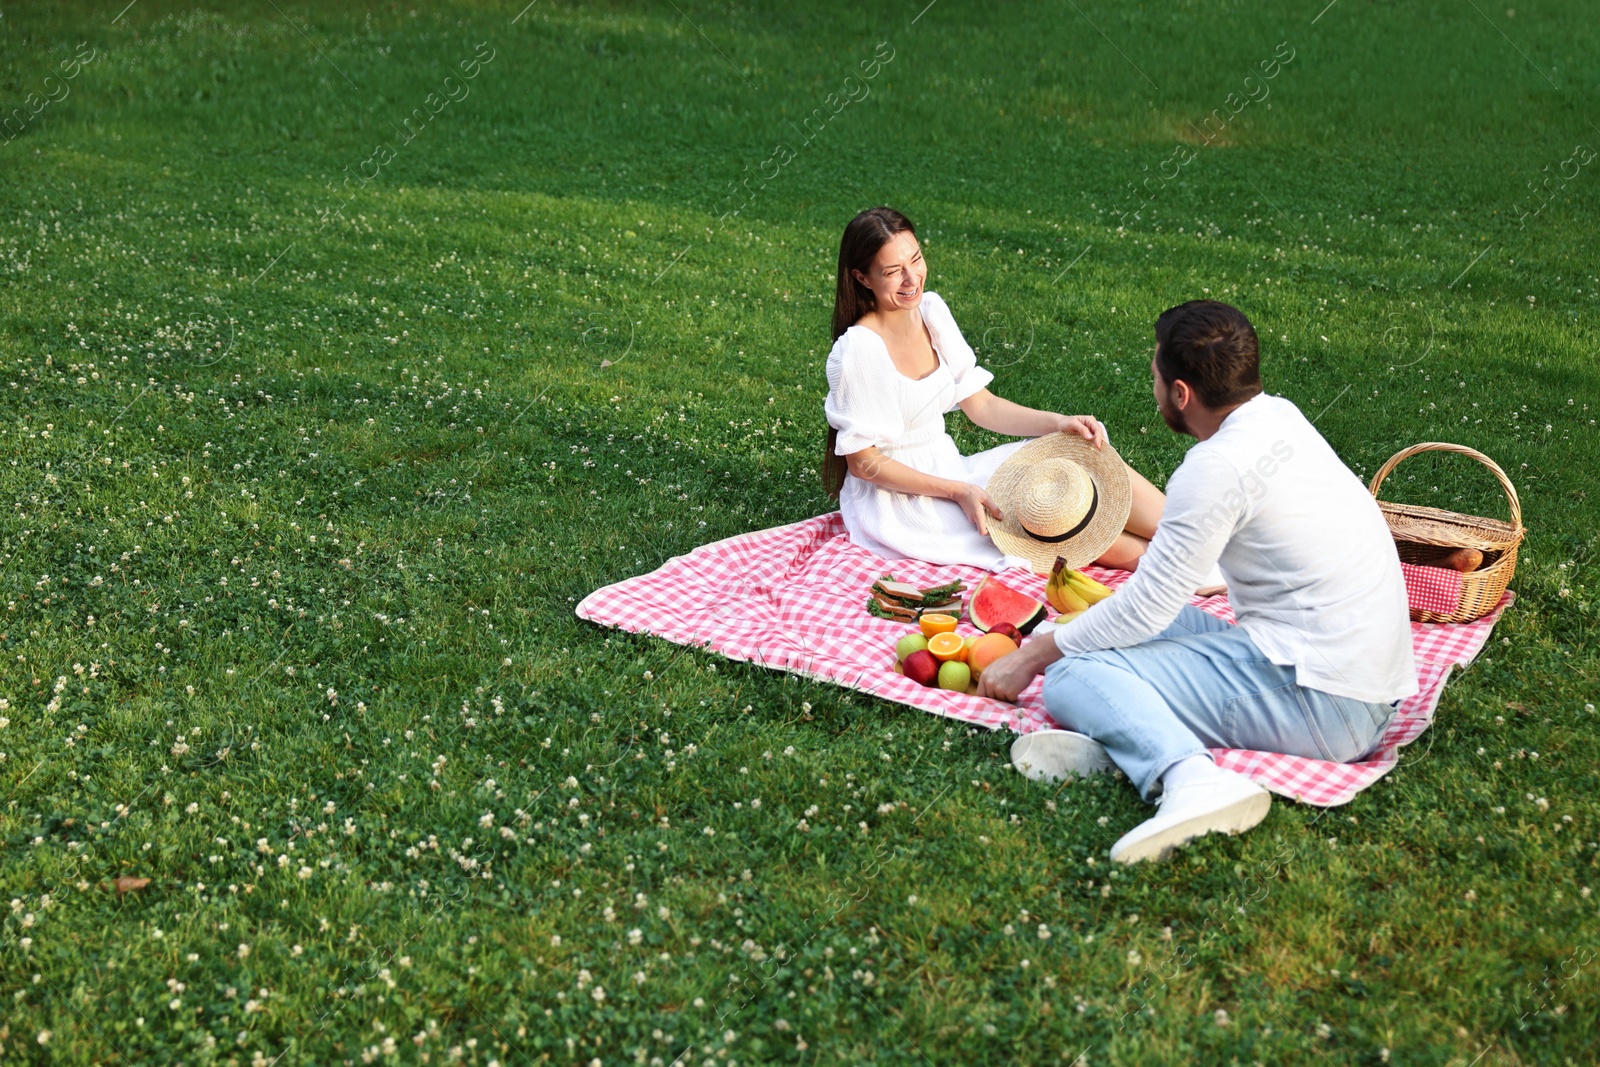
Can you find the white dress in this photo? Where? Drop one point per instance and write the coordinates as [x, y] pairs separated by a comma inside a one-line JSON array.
[[871, 403]]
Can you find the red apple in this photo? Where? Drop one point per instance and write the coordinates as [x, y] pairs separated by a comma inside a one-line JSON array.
[[1009, 630], [922, 667]]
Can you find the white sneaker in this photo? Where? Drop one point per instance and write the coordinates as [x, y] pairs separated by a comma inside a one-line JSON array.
[[1225, 802], [1054, 755]]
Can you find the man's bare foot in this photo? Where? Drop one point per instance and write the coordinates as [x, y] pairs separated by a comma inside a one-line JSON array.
[[1211, 590]]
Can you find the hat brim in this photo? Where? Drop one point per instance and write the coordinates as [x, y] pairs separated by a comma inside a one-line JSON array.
[[1110, 476]]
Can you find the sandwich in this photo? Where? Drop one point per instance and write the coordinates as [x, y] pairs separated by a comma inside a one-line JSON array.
[[905, 602]]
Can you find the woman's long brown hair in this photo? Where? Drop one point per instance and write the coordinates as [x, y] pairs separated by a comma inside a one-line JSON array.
[[866, 233]]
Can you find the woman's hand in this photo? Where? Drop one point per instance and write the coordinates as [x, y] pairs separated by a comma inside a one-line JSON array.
[[1088, 427], [976, 504]]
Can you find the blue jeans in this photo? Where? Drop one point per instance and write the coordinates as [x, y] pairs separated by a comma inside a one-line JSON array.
[[1202, 683]]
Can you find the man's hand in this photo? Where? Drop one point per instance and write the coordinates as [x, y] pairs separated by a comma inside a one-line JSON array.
[[1008, 676]]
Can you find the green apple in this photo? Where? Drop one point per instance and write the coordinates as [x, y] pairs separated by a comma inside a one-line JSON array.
[[953, 674], [908, 644]]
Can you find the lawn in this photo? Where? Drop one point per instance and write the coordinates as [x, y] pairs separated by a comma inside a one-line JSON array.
[[346, 348]]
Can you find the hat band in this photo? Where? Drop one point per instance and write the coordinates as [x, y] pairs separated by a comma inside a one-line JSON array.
[[1094, 502]]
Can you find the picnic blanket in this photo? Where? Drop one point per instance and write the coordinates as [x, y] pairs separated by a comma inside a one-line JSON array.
[[792, 598]]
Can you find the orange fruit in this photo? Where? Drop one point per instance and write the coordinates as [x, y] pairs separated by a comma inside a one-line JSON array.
[[986, 650], [946, 646], [936, 624]]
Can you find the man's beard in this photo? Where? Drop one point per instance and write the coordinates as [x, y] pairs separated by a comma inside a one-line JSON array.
[[1173, 418]]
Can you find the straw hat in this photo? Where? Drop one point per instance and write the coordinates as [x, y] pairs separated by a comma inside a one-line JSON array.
[[1060, 496]]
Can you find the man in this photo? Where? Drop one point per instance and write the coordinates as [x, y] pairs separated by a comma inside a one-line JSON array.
[[1321, 656]]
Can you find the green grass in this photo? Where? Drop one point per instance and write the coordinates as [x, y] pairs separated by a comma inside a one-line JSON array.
[[297, 504]]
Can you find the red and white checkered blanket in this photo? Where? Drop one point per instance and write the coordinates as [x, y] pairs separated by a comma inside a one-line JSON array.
[[792, 598]]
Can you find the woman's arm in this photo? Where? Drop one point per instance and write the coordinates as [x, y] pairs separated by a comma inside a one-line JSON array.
[[871, 465], [1002, 416]]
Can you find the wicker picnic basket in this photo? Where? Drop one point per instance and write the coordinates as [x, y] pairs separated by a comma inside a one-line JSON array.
[[1426, 535]]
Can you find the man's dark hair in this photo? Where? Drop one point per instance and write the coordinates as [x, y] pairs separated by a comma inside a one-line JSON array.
[[1213, 347]]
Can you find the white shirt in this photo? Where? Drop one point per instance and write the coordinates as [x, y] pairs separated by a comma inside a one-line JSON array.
[[1312, 571], [872, 404]]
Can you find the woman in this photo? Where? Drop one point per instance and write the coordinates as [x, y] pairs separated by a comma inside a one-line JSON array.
[[898, 364]]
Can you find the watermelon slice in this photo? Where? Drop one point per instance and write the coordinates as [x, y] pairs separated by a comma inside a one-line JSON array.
[[993, 603]]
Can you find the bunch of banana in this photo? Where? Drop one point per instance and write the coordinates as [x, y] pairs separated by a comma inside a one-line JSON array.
[[1072, 592]]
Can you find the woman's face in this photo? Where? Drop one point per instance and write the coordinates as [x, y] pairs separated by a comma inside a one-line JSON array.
[[896, 274]]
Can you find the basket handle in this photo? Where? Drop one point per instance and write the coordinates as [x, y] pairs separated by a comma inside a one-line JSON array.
[[1443, 446]]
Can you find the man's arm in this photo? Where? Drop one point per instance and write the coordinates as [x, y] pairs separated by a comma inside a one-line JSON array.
[[1203, 508]]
